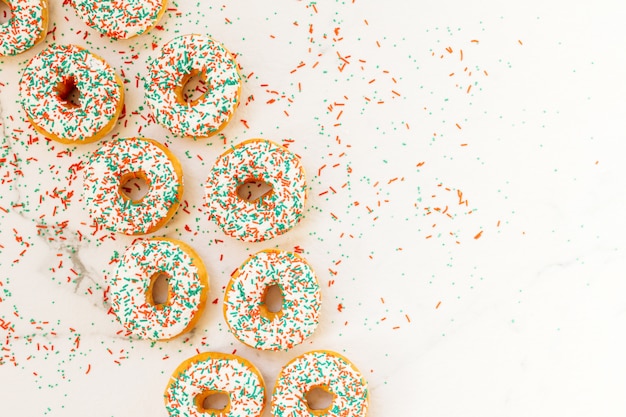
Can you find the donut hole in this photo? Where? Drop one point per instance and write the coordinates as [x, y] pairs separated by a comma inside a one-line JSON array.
[[319, 399], [272, 302], [134, 186], [193, 88], [158, 294], [213, 402], [5, 12], [253, 190], [68, 92]]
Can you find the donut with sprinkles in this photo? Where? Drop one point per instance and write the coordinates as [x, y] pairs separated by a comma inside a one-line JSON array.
[[212, 373], [26, 28], [179, 60], [114, 164], [256, 160], [50, 79], [325, 370], [134, 298], [245, 309], [120, 19]]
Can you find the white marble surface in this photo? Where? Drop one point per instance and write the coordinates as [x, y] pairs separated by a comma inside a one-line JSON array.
[[511, 304]]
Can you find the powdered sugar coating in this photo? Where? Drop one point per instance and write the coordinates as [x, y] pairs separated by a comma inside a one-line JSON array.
[[272, 214], [108, 207], [301, 301], [120, 19], [329, 370], [216, 372], [187, 289], [100, 89], [166, 74], [25, 27]]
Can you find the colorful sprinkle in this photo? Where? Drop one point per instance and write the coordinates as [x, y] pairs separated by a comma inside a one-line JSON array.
[[120, 19], [62, 67], [26, 28], [248, 317], [132, 285], [212, 372], [320, 369], [180, 59], [270, 215], [122, 159]]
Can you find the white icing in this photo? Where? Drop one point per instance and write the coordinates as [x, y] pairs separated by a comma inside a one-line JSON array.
[[102, 181], [179, 58], [141, 261], [301, 301], [232, 375], [320, 369]]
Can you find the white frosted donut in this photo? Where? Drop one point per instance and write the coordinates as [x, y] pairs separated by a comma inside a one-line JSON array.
[[120, 19], [180, 59], [272, 214], [210, 373], [119, 160], [246, 313], [51, 75], [131, 288], [326, 370], [26, 28]]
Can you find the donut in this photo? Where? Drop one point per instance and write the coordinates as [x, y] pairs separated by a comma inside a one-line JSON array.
[[26, 28], [215, 373], [131, 289], [48, 81], [324, 370], [245, 311], [179, 60], [120, 160], [120, 19], [269, 216]]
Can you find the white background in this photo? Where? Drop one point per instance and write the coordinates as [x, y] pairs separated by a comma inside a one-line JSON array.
[[509, 305]]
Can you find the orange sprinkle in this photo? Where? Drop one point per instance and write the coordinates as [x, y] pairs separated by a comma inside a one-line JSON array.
[[438, 304], [461, 52], [469, 87], [478, 235], [459, 126], [520, 42]]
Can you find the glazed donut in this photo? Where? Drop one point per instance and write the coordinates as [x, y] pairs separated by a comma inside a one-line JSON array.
[[120, 19], [269, 216], [49, 79], [215, 373], [245, 311], [120, 160], [131, 288], [180, 59], [328, 371], [26, 28]]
